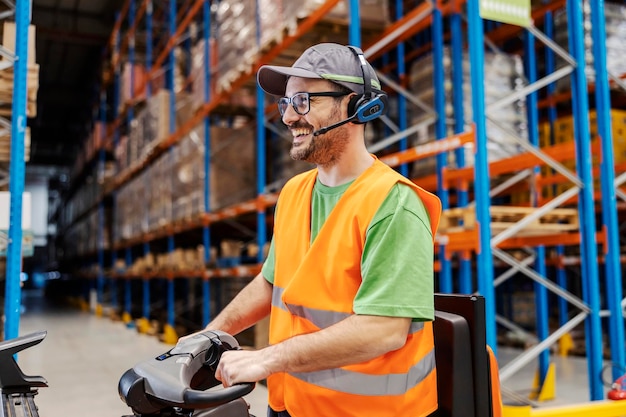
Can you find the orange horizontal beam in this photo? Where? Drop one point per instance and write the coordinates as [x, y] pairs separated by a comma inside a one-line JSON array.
[[129, 33], [235, 271], [468, 240], [559, 152], [117, 27], [428, 149], [203, 219], [389, 31], [554, 99]]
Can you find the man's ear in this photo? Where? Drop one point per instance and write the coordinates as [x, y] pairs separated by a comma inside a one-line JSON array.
[[353, 103]]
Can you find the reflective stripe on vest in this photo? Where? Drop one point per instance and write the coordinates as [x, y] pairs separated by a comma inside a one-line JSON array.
[[321, 318], [375, 385]]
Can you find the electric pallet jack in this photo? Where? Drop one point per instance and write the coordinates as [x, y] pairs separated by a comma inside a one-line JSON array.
[[181, 382], [177, 383], [18, 390]]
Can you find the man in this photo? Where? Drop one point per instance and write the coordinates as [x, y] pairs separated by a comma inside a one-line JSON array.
[[349, 276]]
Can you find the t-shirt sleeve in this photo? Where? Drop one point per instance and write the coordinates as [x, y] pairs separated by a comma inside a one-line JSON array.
[[267, 270], [397, 262]]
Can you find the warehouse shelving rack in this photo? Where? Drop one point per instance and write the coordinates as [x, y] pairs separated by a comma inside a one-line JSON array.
[[21, 11], [430, 17]]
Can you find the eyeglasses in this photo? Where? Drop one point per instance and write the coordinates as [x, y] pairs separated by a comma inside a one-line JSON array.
[[301, 102]]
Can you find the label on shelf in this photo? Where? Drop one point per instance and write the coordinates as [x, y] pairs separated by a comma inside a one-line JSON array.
[[27, 232], [515, 12]]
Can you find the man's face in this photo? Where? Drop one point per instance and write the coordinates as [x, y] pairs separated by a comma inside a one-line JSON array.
[[324, 149]]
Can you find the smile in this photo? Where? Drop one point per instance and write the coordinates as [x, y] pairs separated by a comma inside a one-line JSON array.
[[300, 132]]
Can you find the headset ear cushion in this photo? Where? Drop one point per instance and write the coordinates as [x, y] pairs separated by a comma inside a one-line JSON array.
[[354, 103]]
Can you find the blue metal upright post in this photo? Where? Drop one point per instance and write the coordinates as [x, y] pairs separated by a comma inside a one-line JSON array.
[[130, 116], [170, 334], [550, 66], [206, 232], [170, 288], [261, 150], [149, 15], [354, 27], [103, 122], [445, 272], [260, 170], [13, 295], [100, 253], [481, 169], [541, 292], [143, 324], [402, 108], [131, 60], [456, 52], [589, 260], [146, 289], [128, 318], [613, 270]]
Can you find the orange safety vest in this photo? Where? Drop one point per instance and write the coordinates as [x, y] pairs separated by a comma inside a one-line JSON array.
[[315, 286]]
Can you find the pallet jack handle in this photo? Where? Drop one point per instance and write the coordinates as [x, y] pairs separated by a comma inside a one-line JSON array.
[[11, 376]]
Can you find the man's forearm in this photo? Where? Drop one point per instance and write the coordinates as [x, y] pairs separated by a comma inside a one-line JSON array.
[[248, 307], [356, 339]]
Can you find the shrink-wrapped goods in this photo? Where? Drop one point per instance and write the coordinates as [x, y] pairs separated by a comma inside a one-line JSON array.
[[503, 76]]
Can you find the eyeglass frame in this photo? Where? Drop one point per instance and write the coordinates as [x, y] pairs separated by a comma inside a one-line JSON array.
[[289, 100]]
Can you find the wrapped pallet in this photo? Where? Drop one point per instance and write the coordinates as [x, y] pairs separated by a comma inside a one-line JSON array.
[[615, 25], [237, 40], [503, 76], [232, 172]]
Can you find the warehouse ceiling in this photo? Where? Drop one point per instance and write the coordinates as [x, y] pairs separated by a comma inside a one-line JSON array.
[[71, 37]]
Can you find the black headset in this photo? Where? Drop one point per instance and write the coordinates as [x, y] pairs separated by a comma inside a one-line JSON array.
[[373, 102]]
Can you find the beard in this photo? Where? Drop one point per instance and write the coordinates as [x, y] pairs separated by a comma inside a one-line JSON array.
[[323, 150]]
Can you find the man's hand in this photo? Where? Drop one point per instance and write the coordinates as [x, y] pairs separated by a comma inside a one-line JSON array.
[[238, 366]]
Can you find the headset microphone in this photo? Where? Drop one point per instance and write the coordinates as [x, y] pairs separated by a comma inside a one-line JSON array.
[[323, 130]]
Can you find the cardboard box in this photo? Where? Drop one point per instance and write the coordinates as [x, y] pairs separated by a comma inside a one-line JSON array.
[[8, 40]]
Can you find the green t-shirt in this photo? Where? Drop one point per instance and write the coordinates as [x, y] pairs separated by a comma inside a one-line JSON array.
[[397, 261]]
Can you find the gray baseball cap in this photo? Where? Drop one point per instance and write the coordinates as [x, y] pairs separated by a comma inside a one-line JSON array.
[[330, 61]]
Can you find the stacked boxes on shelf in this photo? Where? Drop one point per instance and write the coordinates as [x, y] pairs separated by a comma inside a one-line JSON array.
[[150, 127], [371, 12], [564, 132], [282, 167], [198, 69], [237, 35], [6, 73], [132, 84], [188, 176], [238, 28], [503, 76], [173, 186], [130, 222], [160, 192], [242, 97], [615, 24], [83, 238], [232, 175], [89, 192]]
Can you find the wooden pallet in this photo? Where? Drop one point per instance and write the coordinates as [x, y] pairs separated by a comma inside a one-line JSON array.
[[6, 91], [5, 146], [559, 220]]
